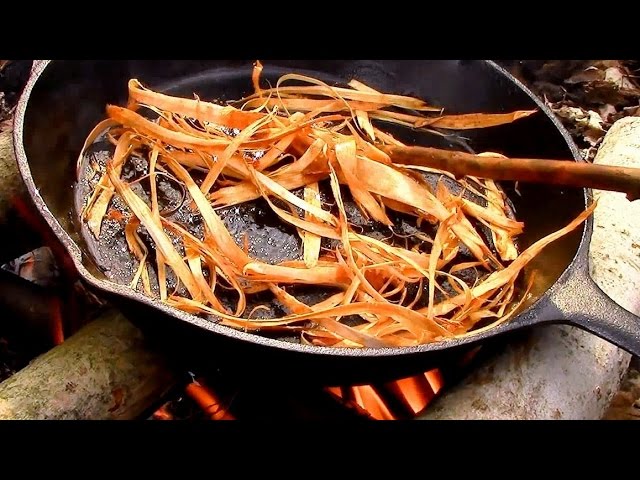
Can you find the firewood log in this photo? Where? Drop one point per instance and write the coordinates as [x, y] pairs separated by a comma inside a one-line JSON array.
[[105, 371]]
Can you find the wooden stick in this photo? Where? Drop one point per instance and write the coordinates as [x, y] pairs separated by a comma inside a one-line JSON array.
[[105, 371], [533, 170]]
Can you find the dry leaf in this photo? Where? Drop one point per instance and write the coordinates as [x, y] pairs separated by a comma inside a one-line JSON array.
[[588, 123], [586, 119], [593, 136], [604, 64], [606, 111], [632, 111], [587, 75], [572, 114], [619, 77]]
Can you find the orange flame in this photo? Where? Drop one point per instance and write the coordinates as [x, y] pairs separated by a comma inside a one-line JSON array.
[[369, 400], [56, 325], [415, 392], [393, 400], [208, 401], [163, 413], [434, 377]]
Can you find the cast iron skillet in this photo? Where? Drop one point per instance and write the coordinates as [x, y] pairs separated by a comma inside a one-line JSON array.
[[64, 99]]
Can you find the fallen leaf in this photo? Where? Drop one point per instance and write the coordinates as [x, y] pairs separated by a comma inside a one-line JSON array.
[[594, 121], [555, 71], [601, 92], [619, 77], [587, 75], [573, 114], [606, 111], [586, 122], [551, 92], [633, 111], [593, 136], [593, 128], [604, 64]]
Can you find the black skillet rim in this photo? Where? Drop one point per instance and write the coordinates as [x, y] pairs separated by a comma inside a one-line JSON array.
[[123, 291]]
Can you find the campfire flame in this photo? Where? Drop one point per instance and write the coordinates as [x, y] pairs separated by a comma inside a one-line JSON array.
[[208, 401], [394, 400]]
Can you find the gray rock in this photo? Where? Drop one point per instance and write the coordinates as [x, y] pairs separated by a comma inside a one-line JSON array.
[[561, 372]]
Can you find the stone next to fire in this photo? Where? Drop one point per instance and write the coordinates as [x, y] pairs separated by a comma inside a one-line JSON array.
[[560, 372]]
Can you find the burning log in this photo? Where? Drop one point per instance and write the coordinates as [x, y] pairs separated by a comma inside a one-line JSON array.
[[104, 371]]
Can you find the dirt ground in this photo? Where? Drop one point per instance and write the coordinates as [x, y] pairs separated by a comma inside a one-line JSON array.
[[587, 95]]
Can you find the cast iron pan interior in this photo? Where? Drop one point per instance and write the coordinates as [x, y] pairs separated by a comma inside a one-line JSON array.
[[69, 98]]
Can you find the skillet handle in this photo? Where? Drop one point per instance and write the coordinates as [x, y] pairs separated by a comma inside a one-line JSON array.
[[579, 301], [610, 260]]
